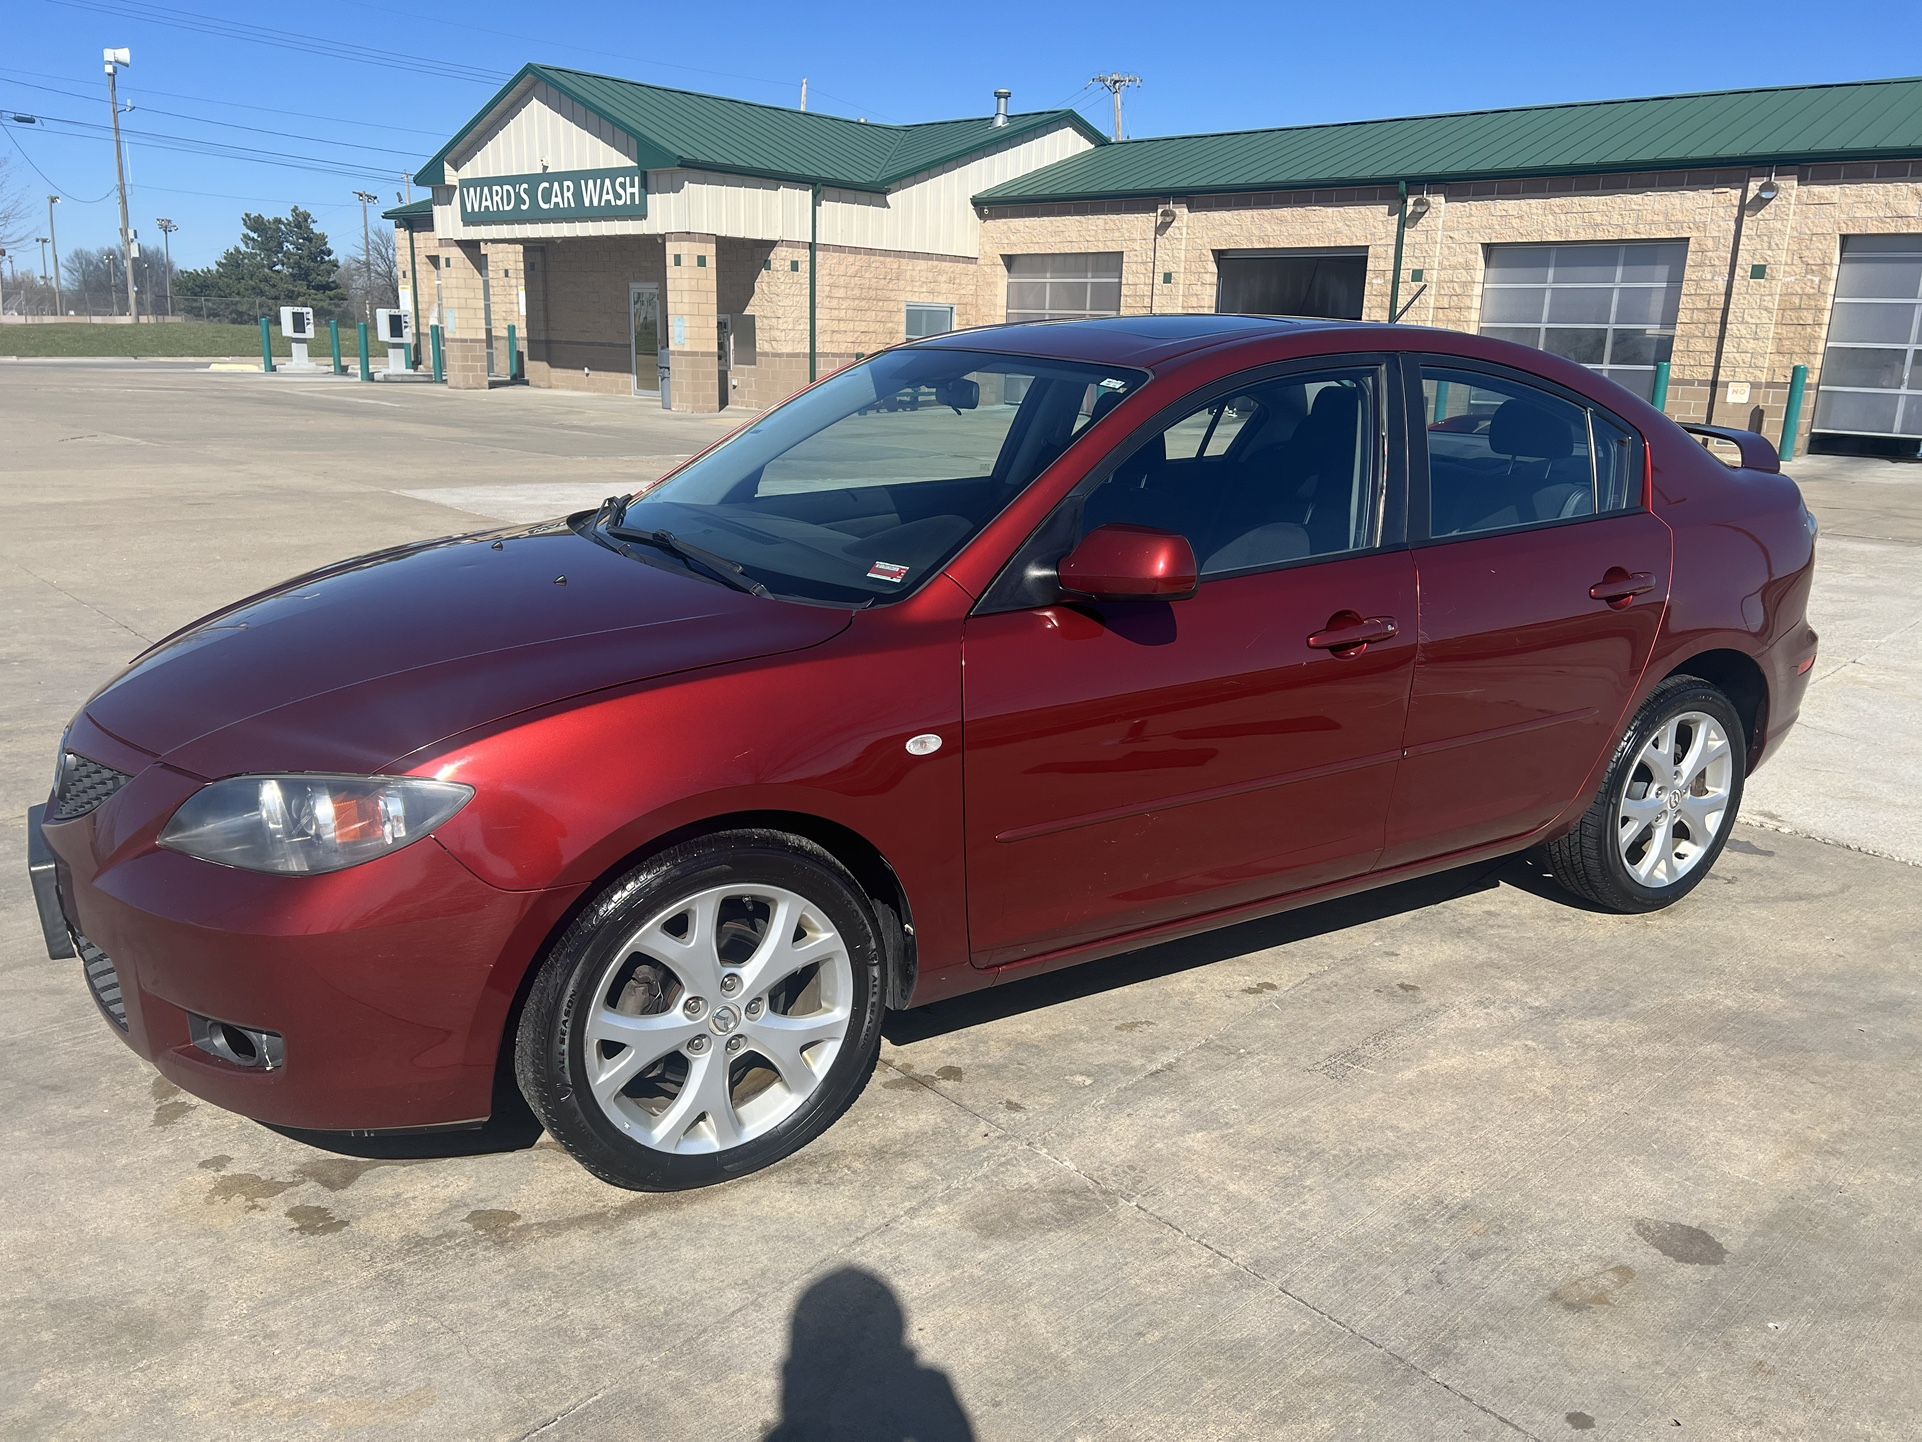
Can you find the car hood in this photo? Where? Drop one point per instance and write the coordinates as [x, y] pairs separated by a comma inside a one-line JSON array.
[[352, 666]]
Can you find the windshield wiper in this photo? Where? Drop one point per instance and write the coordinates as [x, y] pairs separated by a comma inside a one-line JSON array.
[[730, 573], [610, 511]]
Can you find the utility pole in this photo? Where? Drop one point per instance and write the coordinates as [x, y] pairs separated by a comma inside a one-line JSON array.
[[3, 289], [53, 239], [366, 198], [408, 179], [804, 92], [1114, 84], [167, 229], [114, 60], [41, 241]]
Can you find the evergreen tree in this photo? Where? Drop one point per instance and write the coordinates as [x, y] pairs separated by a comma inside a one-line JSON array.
[[281, 260]]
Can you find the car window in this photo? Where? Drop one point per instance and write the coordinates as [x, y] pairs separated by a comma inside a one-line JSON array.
[[1282, 471], [858, 489], [1504, 454]]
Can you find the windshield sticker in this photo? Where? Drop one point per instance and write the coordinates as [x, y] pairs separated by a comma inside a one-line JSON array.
[[888, 571]]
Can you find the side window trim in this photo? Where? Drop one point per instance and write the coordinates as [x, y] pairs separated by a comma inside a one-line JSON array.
[[1026, 580], [1420, 483]]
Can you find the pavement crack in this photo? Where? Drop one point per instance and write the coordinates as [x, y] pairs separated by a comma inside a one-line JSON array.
[[145, 641], [562, 1415], [1273, 1285]]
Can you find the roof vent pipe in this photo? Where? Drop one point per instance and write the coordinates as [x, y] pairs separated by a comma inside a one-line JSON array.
[[1001, 107]]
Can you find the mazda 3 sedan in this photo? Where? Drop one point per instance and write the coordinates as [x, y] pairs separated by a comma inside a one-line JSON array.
[[1003, 651]]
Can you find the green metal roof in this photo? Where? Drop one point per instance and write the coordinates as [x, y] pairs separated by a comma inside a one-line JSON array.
[[1865, 120], [412, 211], [672, 128]]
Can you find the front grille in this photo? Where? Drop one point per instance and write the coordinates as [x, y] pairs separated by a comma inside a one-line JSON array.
[[104, 979], [84, 784]]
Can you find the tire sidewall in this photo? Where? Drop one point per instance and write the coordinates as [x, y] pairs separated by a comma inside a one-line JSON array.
[[1687, 694], [573, 972]]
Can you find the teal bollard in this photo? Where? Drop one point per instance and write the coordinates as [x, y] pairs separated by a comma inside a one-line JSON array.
[[266, 346], [366, 363]]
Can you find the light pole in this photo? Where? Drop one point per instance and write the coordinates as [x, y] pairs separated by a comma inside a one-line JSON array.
[[41, 241], [3, 289], [167, 229], [114, 60], [366, 257], [53, 239]]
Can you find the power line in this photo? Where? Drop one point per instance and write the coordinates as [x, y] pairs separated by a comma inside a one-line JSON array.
[[192, 145], [43, 174], [285, 40], [236, 105], [236, 125]]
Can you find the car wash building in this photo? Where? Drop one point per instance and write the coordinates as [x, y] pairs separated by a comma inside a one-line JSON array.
[[695, 250], [704, 252]]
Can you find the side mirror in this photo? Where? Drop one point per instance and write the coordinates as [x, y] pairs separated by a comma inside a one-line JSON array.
[[1130, 563], [960, 394]]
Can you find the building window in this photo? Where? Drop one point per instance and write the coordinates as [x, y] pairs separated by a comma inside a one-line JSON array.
[[1063, 287], [1325, 283], [1607, 306], [1872, 369], [925, 320]]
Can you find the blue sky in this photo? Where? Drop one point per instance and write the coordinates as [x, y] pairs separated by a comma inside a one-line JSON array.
[[1234, 67]]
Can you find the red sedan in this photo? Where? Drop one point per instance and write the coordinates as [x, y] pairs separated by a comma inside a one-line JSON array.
[[1122, 630]]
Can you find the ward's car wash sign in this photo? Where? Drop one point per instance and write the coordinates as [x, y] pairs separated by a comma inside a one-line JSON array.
[[618, 194]]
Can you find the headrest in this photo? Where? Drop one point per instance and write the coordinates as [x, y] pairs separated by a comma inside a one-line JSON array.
[[1525, 430]]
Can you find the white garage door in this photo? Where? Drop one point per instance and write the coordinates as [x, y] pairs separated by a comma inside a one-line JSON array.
[[1610, 307], [1064, 287], [1872, 369]]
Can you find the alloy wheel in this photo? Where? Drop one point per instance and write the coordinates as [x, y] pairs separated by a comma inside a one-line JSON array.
[[1675, 799], [718, 1018]]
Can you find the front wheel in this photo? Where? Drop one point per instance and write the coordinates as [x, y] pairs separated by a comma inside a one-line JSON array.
[[1666, 806], [711, 1012]]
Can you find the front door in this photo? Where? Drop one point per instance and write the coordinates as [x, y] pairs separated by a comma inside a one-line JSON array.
[[644, 318], [1140, 762], [1543, 583]]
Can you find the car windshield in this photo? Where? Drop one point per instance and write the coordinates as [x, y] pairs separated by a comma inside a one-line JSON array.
[[858, 490]]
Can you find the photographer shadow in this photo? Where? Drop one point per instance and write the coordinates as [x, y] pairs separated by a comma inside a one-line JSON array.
[[851, 1374]]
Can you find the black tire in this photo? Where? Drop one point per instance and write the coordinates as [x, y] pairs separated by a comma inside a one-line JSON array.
[[1588, 861], [549, 1052]]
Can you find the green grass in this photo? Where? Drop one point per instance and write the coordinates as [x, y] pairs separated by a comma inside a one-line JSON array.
[[165, 338]]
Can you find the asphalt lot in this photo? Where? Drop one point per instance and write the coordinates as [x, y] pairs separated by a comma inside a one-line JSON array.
[[1453, 1159]]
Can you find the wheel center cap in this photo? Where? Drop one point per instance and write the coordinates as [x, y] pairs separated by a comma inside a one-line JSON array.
[[1674, 804], [725, 1019]]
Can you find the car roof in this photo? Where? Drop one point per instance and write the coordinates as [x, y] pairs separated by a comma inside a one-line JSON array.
[[1138, 340]]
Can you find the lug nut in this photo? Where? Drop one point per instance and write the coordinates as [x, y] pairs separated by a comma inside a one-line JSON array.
[[730, 984], [693, 1006], [733, 1043], [756, 1007], [697, 1044]]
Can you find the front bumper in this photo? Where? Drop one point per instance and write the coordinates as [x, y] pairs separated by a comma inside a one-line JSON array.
[[390, 983]]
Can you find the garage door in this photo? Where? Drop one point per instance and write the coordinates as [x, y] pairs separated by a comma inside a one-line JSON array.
[[1872, 369], [1063, 287], [1610, 307], [1326, 283]]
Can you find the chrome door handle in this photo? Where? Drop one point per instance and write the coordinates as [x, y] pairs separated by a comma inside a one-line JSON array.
[[1619, 587]]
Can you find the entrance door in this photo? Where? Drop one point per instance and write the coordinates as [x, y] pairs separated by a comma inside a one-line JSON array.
[[1872, 370], [724, 355], [644, 316], [1326, 283]]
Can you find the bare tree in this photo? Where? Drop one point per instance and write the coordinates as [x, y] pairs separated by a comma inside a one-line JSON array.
[[16, 216], [372, 278]]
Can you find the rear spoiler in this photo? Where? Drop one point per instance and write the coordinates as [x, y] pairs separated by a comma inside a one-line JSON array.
[[1756, 452]]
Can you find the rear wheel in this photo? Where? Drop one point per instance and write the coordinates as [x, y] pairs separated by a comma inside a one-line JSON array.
[[1665, 807], [711, 1012]]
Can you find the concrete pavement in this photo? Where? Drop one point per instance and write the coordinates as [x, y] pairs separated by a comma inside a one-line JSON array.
[[1452, 1159]]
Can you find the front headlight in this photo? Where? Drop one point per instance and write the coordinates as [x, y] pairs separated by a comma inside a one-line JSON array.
[[308, 824]]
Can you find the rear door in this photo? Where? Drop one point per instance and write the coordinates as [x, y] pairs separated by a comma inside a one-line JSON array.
[[1544, 578], [1140, 762]]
